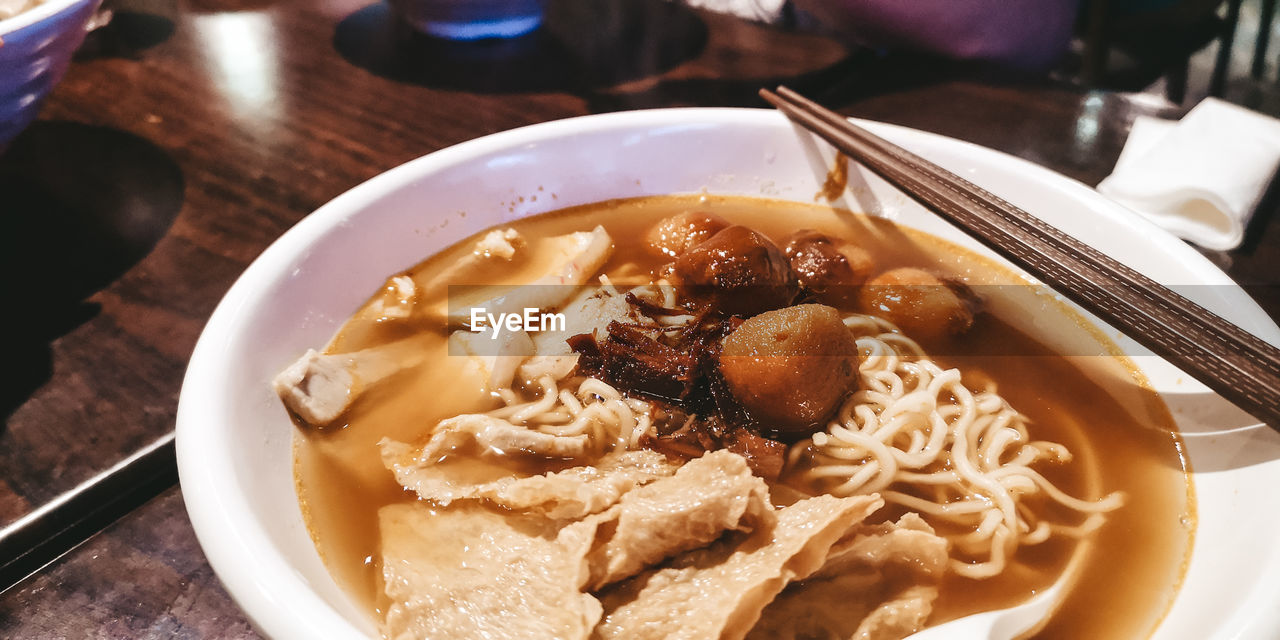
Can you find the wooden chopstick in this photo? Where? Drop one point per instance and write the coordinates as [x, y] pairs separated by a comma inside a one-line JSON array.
[[1238, 365], [1141, 285]]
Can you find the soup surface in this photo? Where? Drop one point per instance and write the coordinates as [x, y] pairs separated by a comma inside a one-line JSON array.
[[1080, 393]]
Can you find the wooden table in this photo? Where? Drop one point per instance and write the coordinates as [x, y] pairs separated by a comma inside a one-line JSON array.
[[187, 137]]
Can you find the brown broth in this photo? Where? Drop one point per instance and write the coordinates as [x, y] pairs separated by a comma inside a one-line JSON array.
[[1098, 406]]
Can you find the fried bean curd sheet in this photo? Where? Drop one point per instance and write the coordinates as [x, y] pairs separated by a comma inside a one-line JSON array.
[[476, 571], [705, 498], [878, 583], [569, 494], [720, 591], [471, 572], [498, 437], [638, 546]]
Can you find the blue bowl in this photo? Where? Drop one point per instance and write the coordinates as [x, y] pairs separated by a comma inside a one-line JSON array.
[[37, 46]]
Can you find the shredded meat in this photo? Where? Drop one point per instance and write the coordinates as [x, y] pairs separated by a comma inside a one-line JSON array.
[[634, 361], [687, 435], [711, 391], [765, 456], [679, 373]]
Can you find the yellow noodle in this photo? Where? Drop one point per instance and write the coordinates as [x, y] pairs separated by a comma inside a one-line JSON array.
[[913, 429]]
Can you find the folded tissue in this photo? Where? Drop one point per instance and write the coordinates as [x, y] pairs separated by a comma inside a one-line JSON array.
[[1201, 177]]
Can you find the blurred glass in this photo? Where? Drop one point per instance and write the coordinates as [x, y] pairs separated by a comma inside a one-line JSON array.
[[471, 19]]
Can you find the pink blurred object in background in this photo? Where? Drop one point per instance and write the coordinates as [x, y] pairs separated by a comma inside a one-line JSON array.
[[1030, 34]]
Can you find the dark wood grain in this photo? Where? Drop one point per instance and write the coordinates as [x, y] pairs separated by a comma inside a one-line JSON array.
[[254, 119], [142, 577], [190, 134]]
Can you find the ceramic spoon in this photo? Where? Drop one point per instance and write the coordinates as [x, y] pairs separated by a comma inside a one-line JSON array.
[[1013, 622]]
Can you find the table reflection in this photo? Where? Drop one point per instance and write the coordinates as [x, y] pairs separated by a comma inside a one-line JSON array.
[[241, 48], [82, 205], [577, 48]]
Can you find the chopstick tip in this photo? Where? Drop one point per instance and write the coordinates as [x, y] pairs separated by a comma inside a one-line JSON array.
[[770, 96]]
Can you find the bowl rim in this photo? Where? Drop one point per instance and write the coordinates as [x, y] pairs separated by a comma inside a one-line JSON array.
[[273, 595], [44, 10]]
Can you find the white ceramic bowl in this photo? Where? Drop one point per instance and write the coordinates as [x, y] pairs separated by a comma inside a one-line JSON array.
[[38, 45], [234, 437]]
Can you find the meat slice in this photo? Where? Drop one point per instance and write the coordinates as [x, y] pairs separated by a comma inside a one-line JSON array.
[[469, 572], [878, 583], [496, 245], [694, 507], [493, 359], [588, 312], [719, 591], [319, 387], [569, 494], [495, 436], [575, 258]]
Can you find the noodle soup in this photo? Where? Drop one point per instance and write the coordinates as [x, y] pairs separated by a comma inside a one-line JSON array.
[[1077, 456]]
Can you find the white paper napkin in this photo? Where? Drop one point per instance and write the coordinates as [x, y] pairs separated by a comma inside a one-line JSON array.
[[1201, 177]]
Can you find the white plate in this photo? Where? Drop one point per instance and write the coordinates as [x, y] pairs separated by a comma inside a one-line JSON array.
[[234, 440]]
